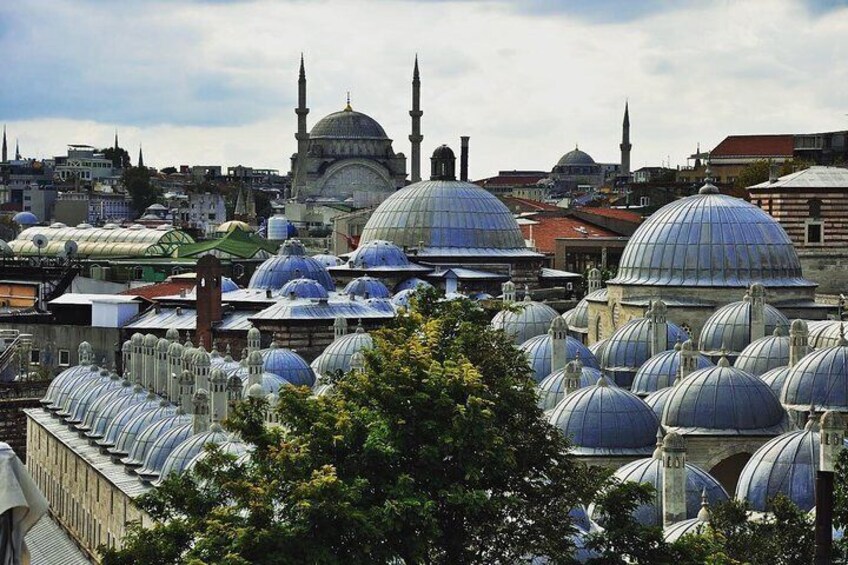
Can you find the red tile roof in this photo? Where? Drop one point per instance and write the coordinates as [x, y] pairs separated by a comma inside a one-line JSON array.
[[550, 228], [755, 146], [614, 213], [530, 205], [167, 288]]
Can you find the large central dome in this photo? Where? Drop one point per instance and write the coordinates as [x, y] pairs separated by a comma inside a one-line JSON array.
[[347, 124], [710, 240]]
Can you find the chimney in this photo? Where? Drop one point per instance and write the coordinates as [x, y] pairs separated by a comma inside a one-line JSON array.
[[595, 282], [799, 336], [559, 343], [758, 314], [218, 383], [573, 372], [186, 391], [688, 360], [200, 415], [659, 327], [463, 158], [209, 309], [508, 289], [674, 479]]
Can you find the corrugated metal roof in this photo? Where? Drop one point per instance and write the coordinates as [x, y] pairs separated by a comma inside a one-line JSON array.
[[186, 320], [814, 177], [462, 273], [82, 299], [308, 309], [49, 544]]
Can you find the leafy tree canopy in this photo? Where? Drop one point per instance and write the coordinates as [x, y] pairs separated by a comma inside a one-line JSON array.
[[136, 180], [119, 157]]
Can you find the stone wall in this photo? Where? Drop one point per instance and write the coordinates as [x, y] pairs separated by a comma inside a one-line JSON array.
[[14, 398], [49, 339], [828, 268]]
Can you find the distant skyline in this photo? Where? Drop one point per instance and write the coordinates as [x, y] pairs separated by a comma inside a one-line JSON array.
[[214, 82]]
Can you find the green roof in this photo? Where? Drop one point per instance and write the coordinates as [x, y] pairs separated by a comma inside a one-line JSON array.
[[235, 244]]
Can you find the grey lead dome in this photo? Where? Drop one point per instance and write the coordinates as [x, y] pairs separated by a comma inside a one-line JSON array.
[[348, 124], [710, 240]]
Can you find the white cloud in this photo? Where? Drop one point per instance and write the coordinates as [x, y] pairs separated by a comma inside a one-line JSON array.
[[215, 82]]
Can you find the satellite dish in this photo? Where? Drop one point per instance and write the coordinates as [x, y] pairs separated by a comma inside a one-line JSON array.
[[39, 240], [71, 248], [5, 249]]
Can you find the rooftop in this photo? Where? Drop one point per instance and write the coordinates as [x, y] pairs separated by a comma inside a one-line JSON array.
[[814, 177], [781, 145], [549, 229]]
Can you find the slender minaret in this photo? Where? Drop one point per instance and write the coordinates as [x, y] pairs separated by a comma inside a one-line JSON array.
[[302, 136], [799, 336], [255, 366], [175, 366], [200, 415], [116, 139], [140, 157], [625, 141], [5, 149], [17, 151], [160, 385], [559, 343], [674, 479], [186, 391], [415, 138], [339, 327]]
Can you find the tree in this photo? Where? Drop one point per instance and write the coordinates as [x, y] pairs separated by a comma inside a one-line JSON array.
[[119, 157], [759, 171], [136, 180], [435, 452], [840, 499], [169, 170]]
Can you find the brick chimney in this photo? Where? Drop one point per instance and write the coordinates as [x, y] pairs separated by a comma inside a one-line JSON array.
[[209, 310]]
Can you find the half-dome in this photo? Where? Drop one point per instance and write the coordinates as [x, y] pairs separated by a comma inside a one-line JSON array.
[[710, 240]]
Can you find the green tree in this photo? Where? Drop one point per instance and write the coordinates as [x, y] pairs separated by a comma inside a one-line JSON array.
[[435, 452], [759, 171], [120, 158], [136, 180], [840, 499]]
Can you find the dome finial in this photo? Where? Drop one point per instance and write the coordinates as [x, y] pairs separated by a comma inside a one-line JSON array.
[[704, 512], [709, 187], [348, 108], [658, 446], [602, 381]]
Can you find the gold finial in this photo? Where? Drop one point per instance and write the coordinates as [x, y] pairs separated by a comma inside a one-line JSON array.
[[348, 107]]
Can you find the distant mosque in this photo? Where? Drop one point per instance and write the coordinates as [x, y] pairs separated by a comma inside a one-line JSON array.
[[347, 155]]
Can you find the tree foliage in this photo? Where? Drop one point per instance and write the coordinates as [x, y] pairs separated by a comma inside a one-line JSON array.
[[435, 453], [136, 180], [120, 157], [759, 171]]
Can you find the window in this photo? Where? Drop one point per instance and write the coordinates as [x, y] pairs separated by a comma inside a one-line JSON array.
[[35, 357], [644, 201], [815, 208], [64, 358], [815, 233]]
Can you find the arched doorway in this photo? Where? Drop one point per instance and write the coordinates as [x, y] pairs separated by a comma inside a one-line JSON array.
[[728, 470]]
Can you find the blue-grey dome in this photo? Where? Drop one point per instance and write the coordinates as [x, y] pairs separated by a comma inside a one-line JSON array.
[[606, 420], [25, 219], [65, 376], [445, 217], [114, 409], [710, 240], [630, 347], [412, 283], [597, 348], [367, 287], [578, 317], [656, 400], [125, 416], [182, 454], [538, 352], [291, 263], [150, 434], [336, 357], [575, 157], [552, 388], [823, 333], [730, 327], [784, 465], [820, 379], [161, 449], [233, 446], [303, 288], [694, 526], [377, 253], [328, 260], [723, 400], [101, 402], [660, 371], [776, 379], [401, 297], [528, 320], [77, 387], [289, 365], [131, 430], [650, 470], [271, 383], [347, 124], [764, 354]]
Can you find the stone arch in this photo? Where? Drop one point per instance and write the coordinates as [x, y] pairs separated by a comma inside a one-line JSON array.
[[346, 173]]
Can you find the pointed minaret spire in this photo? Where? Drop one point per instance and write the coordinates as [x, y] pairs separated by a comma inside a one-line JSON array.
[[415, 138], [116, 139], [140, 157], [625, 141], [5, 149], [17, 151], [302, 136]]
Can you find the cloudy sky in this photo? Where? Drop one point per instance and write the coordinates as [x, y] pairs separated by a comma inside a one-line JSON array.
[[214, 81]]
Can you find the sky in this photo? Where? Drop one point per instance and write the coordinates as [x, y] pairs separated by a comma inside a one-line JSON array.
[[214, 82]]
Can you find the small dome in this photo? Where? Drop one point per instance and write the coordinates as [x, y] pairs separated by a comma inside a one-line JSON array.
[[161, 449], [104, 419], [347, 124], [130, 431], [552, 388], [657, 399], [328, 260], [412, 284], [529, 320], [148, 435], [578, 317], [232, 446], [823, 333], [337, 356], [710, 240], [378, 253], [775, 379], [650, 470], [269, 382], [182, 454], [58, 382], [367, 287], [730, 327], [83, 397], [25, 219], [694, 526], [660, 371], [100, 404], [303, 288], [629, 348], [764, 354], [276, 271], [575, 157], [292, 247], [820, 379], [538, 352], [723, 400], [233, 225], [401, 298], [122, 418], [289, 365], [597, 348], [606, 421], [784, 465]]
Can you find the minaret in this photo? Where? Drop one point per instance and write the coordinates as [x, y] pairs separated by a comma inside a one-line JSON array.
[[116, 139], [573, 370], [415, 138], [5, 149], [688, 362], [218, 386], [17, 151], [140, 157], [625, 141], [302, 136]]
